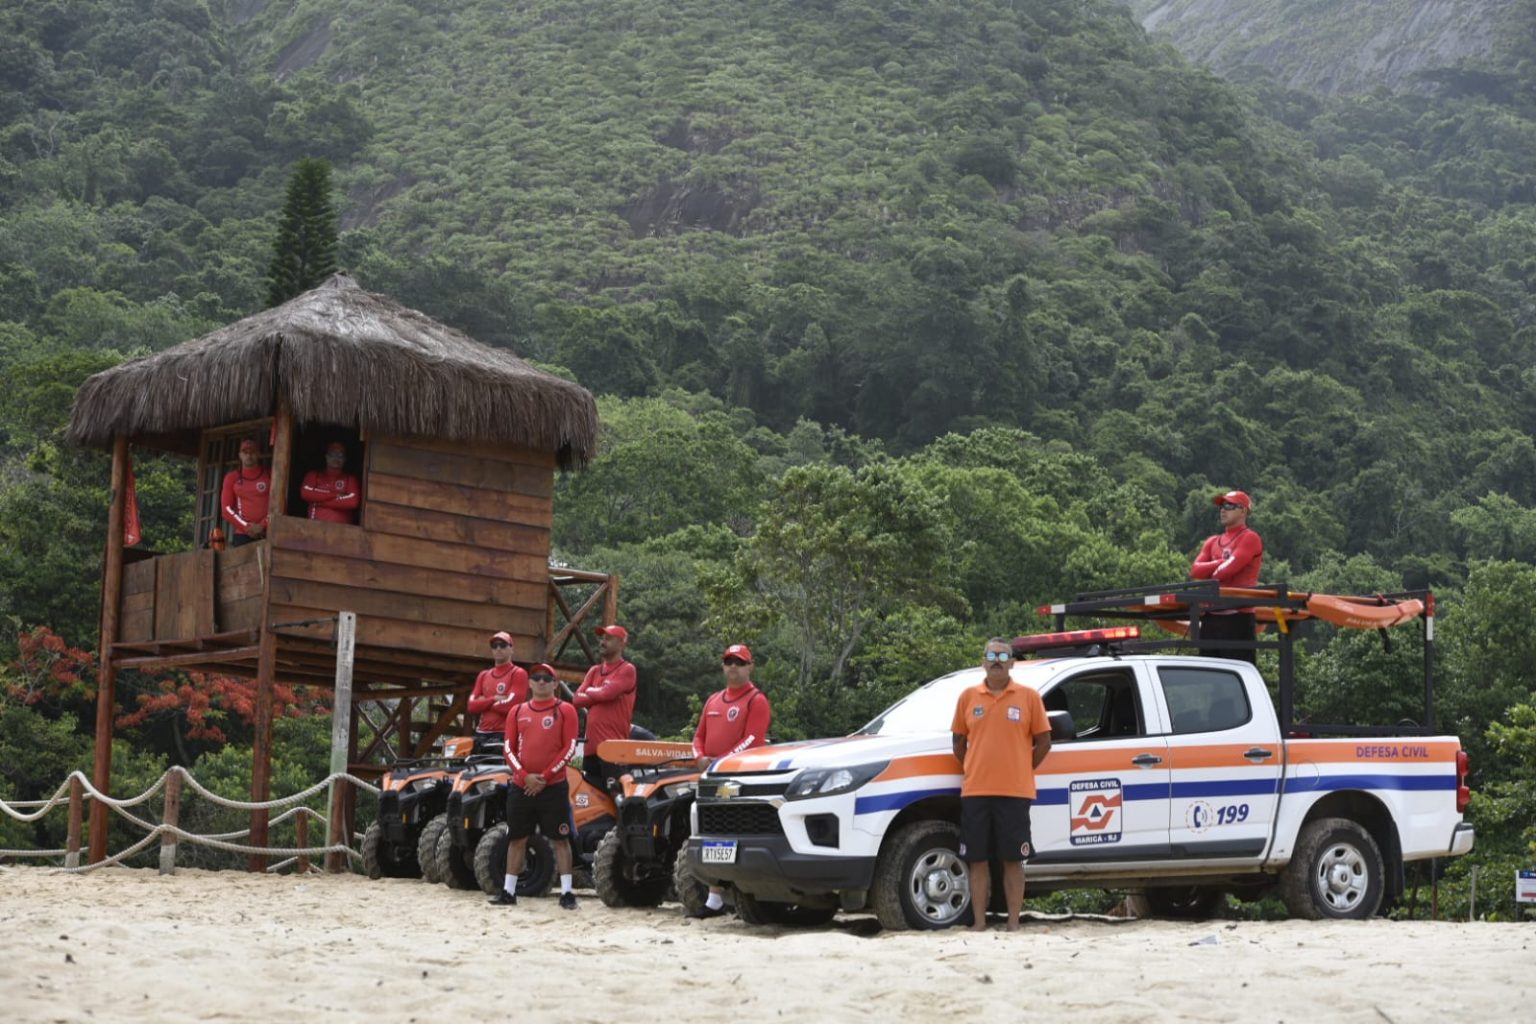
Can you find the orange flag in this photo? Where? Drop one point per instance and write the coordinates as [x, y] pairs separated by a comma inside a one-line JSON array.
[[132, 534]]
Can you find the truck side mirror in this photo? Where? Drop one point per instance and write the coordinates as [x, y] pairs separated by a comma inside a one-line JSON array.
[[1062, 727]]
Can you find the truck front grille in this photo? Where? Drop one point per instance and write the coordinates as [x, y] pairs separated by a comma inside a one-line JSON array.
[[733, 818]]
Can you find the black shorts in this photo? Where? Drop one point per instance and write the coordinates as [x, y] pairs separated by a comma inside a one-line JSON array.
[[550, 810], [994, 828], [1238, 626]]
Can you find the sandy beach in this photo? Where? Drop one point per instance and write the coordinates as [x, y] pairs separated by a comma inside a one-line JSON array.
[[132, 945]]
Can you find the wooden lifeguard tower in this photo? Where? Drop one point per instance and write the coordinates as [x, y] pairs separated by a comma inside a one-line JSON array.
[[456, 445]]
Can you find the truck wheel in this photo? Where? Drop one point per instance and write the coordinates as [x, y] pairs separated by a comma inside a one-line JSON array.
[[613, 886], [1336, 872], [920, 880], [691, 891], [426, 847], [1185, 903], [383, 859], [457, 869], [760, 912], [491, 863]]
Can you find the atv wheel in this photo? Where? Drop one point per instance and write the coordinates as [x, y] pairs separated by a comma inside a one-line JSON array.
[[455, 863], [613, 886], [491, 863], [689, 890], [920, 880], [760, 912], [1184, 903], [1335, 873], [381, 859], [371, 840], [426, 848]]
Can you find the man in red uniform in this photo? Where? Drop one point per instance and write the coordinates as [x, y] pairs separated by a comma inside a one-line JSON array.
[[244, 497], [332, 493], [541, 740], [734, 719], [1234, 558], [608, 694], [496, 690], [1001, 734]]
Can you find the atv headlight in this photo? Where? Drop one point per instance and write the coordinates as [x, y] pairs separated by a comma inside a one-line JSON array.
[[677, 789], [815, 782]]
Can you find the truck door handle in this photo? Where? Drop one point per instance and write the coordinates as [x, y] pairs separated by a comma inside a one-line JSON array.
[[1146, 760], [1258, 754]]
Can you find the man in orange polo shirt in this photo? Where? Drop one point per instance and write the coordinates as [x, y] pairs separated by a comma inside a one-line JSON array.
[[1001, 734]]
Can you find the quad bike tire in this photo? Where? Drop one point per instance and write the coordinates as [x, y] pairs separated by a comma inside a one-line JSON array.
[[767, 912], [613, 888], [689, 890], [454, 864], [380, 860], [426, 847], [491, 863]]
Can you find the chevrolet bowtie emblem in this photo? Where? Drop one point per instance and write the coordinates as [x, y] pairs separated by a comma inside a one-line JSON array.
[[728, 790]]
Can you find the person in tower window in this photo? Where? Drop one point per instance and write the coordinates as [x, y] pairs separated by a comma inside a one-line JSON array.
[[246, 493], [332, 493]]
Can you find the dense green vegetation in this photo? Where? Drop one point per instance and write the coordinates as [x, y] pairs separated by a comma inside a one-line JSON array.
[[906, 317]]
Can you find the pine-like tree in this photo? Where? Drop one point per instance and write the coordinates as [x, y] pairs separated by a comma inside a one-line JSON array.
[[305, 251]]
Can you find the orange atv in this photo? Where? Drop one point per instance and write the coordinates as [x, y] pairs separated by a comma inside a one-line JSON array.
[[413, 794], [637, 863], [592, 812]]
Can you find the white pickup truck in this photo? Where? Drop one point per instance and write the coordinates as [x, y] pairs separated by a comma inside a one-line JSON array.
[[1170, 776]]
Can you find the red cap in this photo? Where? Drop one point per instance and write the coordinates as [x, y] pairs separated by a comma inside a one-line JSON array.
[[1233, 498], [504, 636], [336, 446], [741, 651], [618, 631], [250, 445], [543, 668]]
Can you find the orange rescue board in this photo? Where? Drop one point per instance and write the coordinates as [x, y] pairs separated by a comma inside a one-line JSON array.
[[1339, 610]]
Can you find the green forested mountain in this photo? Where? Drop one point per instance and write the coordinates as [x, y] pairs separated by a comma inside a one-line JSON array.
[[1341, 46], [905, 315]]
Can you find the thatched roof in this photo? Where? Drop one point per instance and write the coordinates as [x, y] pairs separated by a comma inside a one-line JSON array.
[[341, 356]]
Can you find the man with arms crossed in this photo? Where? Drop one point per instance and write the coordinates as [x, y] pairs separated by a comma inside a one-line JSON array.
[[608, 694], [1001, 734]]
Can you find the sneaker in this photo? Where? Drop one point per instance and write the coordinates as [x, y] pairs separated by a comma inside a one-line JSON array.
[[703, 913], [567, 901], [503, 899]]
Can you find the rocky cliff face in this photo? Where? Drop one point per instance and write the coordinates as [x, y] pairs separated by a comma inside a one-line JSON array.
[[1330, 46]]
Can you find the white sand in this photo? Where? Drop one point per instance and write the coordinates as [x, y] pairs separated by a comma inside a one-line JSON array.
[[121, 945]]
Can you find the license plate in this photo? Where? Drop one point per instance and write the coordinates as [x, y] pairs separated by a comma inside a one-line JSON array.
[[718, 851]]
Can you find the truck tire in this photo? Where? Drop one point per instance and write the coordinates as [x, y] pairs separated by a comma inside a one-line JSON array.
[[491, 863], [613, 887], [1181, 903], [457, 869], [920, 880], [426, 847], [690, 890], [1336, 872], [760, 912]]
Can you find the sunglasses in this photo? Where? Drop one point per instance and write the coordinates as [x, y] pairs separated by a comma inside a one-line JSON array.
[[732, 661], [997, 656], [500, 643], [1229, 507], [541, 679]]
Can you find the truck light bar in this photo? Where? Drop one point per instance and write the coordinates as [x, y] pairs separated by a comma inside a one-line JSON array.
[[1074, 638]]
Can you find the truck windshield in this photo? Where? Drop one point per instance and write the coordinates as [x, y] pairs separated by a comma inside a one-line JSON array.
[[928, 710]]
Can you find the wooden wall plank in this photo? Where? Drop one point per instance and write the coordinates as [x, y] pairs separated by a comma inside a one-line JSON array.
[[351, 542], [242, 614], [139, 577], [476, 449], [401, 634], [406, 579], [184, 595], [488, 618], [385, 517], [502, 506], [459, 468]]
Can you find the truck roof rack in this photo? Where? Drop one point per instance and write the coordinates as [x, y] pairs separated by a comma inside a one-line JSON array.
[[1178, 608]]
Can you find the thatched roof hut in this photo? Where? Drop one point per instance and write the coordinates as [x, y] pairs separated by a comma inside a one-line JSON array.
[[340, 356]]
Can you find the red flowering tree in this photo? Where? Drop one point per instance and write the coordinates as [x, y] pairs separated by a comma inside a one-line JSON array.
[[46, 668]]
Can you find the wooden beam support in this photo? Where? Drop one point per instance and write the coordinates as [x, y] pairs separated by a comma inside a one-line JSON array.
[[266, 663], [106, 681], [224, 654], [452, 711]]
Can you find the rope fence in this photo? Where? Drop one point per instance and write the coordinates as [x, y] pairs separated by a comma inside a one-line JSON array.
[[77, 789]]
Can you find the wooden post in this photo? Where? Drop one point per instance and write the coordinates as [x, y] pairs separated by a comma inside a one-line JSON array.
[[341, 728], [106, 677], [611, 602], [76, 815], [266, 660], [301, 839], [172, 817]]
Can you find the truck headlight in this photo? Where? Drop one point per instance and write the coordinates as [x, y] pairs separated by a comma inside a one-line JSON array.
[[814, 782]]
